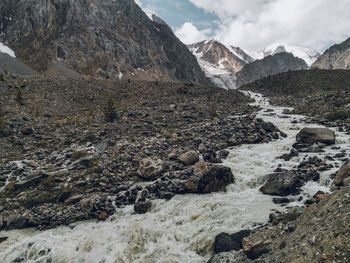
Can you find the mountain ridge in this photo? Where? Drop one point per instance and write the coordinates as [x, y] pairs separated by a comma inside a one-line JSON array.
[[335, 57], [95, 38]]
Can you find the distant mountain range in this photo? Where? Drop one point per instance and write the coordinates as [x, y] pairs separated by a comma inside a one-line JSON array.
[[309, 55], [117, 40], [229, 66]]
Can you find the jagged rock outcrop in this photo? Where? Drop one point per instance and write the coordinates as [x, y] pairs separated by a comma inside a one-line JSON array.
[[336, 57], [270, 65], [105, 38]]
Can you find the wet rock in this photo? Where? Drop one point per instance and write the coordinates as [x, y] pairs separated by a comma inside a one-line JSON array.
[[269, 127], [280, 200], [3, 239], [281, 184], [342, 174], [209, 178], [223, 154], [189, 158], [287, 157], [142, 207], [225, 242], [150, 168], [316, 135]]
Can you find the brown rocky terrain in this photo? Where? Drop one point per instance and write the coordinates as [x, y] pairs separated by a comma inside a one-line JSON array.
[[108, 39], [62, 162]]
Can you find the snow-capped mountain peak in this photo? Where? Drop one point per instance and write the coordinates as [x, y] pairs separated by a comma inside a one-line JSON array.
[[307, 54]]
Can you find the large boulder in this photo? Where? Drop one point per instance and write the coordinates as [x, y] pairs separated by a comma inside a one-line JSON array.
[[209, 178], [189, 158], [142, 207], [315, 135], [225, 242], [150, 169], [342, 174], [281, 184]]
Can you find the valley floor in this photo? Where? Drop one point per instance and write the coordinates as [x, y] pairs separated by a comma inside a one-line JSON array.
[[61, 162]]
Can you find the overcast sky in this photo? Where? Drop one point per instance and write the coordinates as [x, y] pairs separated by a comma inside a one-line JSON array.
[[255, 24]]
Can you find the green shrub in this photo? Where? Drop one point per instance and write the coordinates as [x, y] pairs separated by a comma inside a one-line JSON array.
[[338, 115], [2, 76], [110, 111]]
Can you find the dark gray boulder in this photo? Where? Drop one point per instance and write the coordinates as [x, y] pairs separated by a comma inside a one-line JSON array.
[[225, 242], [281, 184], [315, 135]]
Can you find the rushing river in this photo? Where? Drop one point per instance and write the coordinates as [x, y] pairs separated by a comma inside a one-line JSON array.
[[183, 229]]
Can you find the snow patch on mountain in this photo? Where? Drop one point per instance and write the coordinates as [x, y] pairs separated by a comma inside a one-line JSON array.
[[7, 50]]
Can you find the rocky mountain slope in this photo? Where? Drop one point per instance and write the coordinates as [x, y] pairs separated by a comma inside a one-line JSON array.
[[220, 57], [336, 57], [12, 65], [219, 62], [109, 39], [270, 65]]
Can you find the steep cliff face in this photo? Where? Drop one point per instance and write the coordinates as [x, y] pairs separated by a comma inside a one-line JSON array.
[[270, 65], [105, 38], [336, 57]]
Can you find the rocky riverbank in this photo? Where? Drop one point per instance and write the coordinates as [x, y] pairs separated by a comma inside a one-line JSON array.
[[319, 233], [315, 232], [322, 95], [62, 162]]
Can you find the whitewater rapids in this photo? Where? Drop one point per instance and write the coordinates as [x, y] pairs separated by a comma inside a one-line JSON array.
[[181, 230]]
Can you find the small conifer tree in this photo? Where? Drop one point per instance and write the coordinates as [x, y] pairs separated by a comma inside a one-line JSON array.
[[110, 111], [2, 76], [2, 120], [19, 97], [37, 112]]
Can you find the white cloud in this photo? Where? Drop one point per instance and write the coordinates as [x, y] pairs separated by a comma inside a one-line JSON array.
[[147, 9], [254, 24], [189, 33]]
